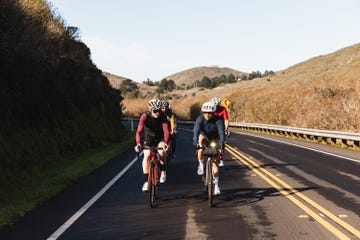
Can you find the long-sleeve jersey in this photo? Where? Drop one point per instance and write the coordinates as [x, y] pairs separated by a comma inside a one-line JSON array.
[[212, 128], [172, 120], [222, 112], [154, 127]]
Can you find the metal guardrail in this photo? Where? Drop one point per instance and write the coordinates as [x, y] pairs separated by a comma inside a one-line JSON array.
[[340, 139]]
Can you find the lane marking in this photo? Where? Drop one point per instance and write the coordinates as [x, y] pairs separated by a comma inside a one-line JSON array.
[[355, 178], [289, 194], [296, 145], [306, 199], [84, 208]]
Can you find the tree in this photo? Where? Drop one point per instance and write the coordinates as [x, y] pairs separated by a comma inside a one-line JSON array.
[[231, 78], [149, 82], [268, 73], [129, 89], [205, 82], [165, 86], [254, 74]]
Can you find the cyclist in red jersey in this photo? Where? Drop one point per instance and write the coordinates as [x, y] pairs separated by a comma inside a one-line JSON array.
[[222, 112], [155, 126]]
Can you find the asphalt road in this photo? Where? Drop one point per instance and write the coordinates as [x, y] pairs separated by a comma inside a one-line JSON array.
[[270, 190]]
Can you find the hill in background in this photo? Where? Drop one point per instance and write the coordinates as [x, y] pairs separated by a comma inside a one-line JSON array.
[[114, 80], [190, 76], [321, 93]]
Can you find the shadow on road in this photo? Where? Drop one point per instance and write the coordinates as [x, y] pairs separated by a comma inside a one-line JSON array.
[[243, 196]]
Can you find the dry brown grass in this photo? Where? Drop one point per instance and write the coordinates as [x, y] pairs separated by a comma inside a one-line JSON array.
[[321, 93]]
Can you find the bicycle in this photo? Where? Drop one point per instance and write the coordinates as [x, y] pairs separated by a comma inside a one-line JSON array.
[[213, 153], [154, 174]]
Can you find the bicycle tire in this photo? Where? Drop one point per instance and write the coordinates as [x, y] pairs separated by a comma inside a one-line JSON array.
[[210, 182], [153, 185]]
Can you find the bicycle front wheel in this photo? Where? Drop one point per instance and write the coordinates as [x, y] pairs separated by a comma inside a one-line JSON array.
[[153, 185], [210, 182]]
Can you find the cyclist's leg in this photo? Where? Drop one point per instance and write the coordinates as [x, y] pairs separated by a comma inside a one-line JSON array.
[[202, 141], [162, 153], [171, 148], [148, 142], [216, 170], [145, 163], [173, 143], [145, 167], [216, 176], [163, 159]]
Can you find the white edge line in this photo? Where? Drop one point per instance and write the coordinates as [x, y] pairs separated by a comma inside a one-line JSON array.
[[293, 144], [83, 209]]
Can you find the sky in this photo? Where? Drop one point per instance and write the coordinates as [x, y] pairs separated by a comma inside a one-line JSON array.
[[152, 39]]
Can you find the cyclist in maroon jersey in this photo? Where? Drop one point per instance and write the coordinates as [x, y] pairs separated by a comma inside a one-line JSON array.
[[222, 112], [155, 126]]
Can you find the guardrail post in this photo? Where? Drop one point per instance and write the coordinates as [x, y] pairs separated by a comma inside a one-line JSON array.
[[132, 124], [356, 145]]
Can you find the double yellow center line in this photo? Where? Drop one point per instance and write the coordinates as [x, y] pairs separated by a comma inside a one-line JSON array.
[[290, 193]]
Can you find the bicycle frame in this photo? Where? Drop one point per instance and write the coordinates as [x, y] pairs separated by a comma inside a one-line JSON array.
[[213, 154], [154, 175]]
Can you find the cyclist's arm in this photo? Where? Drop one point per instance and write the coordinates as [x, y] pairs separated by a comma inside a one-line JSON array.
[[226, 115], [140, 128], [172, 123], [165, 126], [175, 122], [220, 127], [196, 130], [226, 123], [226, 119]]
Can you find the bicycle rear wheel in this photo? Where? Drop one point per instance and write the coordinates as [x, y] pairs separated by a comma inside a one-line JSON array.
[[210, 182], [153, 185]]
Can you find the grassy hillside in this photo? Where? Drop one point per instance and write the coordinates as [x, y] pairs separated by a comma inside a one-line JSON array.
[[115, 81], [322, 93], [54, 102]]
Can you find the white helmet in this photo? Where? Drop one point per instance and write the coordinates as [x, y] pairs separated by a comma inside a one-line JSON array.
[[208, 107], [154, 104], [216, 100], [165, 104]]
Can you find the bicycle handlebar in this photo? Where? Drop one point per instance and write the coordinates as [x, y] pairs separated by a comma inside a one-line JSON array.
[[153, 148]]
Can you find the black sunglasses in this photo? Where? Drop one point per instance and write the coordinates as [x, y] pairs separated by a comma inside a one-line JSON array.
[[156, 111]]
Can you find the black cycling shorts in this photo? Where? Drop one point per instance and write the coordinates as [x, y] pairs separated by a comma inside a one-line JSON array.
[[150, 141]]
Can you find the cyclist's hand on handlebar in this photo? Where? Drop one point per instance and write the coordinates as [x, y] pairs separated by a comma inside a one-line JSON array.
[[227, 133], [137, 148]]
